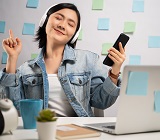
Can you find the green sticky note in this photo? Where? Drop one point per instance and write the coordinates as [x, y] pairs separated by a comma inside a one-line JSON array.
[[4, 58], [28, 29], [157, 101], [97, 4], [80, 35], [105, 48], [129, 27], [137, 83], [134, 59], [33, 55]]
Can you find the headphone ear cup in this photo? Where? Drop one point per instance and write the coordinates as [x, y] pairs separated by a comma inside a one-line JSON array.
[[76, 35]]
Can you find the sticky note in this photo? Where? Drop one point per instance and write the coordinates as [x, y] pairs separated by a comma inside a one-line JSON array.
[[2, 26], [137, 83], [4, 58], [32, 3], [97, 4], [154, 42], [134, 59], [28, 29], [103, 24], [80, 35], [129, 27], [157, 101], [105, 48], [138, 6], [33, 55]]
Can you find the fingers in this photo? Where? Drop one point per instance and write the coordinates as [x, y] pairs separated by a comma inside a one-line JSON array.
[[11, 34], [18, 41], [121, 49], [11, 42]]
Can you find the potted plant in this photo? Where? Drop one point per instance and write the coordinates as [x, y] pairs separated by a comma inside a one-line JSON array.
[[46, 125]]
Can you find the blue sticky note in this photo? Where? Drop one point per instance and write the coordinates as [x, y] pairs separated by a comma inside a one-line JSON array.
[[157, 101], [32, 3], [103, 24], [137, 83], [4, 58], [134, 60], [154, 42], [2, 26], [138, 6], [28, 29]]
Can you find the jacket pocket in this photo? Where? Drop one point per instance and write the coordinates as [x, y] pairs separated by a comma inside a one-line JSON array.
[[80, 85], [33, 86]]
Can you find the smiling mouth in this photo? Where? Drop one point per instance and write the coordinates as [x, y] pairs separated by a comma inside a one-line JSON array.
[[59, 32]]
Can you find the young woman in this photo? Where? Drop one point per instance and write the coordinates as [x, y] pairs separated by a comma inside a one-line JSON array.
[[69, 81]]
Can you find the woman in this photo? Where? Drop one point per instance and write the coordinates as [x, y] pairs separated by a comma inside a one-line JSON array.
[[69, 81]]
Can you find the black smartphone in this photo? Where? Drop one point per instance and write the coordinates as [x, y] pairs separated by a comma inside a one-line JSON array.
[[123, 39]]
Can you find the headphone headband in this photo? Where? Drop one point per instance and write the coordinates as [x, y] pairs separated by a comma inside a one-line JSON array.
[[44, 18]]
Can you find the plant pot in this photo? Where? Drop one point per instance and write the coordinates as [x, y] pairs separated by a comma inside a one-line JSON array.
[[46, 130]]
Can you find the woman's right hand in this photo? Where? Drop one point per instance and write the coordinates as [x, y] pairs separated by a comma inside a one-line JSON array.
[[12, 46]]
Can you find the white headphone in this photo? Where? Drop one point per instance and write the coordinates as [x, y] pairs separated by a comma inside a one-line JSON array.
[[44, 18]]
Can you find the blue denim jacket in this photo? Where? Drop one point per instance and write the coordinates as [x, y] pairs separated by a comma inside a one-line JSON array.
[[82, 75]]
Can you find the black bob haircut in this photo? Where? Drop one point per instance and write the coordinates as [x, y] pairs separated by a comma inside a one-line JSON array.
[[41, 36]]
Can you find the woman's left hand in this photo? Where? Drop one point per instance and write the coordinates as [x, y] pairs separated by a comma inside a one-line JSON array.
[[118, 57]]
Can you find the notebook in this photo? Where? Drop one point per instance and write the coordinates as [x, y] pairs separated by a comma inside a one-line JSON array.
[[72, 131], [139, 102]]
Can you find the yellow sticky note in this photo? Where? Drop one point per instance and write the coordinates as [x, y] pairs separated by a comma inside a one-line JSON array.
[[129, 27], [80, 35], [105, 48], [97, 4]]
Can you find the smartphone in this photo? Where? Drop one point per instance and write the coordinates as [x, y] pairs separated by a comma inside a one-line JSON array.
[[123, 39]]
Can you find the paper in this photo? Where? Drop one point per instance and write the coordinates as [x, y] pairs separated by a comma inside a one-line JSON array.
[[134, 59], [2, 26], [154, 42], [157, 101], [65, 128], [129, 27], [103, 24], [4, 58], [138, 6], [105, 48], [97, 4], [28, 29], [33, 55], [80, 35], [137, 83], [32, 3]]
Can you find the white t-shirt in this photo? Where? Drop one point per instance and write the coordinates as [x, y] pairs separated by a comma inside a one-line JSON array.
[[57, 99]]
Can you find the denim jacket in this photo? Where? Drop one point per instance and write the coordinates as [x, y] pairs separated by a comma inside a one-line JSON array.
[[82, 75]]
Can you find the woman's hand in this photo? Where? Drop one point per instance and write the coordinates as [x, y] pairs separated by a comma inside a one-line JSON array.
[[12, 46], [118, 57]]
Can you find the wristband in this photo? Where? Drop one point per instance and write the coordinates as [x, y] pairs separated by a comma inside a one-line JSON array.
[[113, 75]]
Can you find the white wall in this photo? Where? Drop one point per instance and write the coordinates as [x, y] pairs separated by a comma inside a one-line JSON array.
[[15, 13]]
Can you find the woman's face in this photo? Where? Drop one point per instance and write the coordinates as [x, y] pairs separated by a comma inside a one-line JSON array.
[[61, 26]]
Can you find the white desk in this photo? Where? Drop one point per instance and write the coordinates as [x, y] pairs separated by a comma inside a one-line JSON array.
[[26, 134]]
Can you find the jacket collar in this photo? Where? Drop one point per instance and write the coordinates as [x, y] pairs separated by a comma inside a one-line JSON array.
[[69, 54]]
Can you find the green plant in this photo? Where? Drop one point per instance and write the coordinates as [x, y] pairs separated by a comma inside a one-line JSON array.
[[46, 115]]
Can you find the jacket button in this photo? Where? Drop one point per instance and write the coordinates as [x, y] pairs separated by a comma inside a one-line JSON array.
[[80, 81], [34, 81]]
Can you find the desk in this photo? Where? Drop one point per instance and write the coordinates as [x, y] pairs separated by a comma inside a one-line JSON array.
[[26, 134]]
